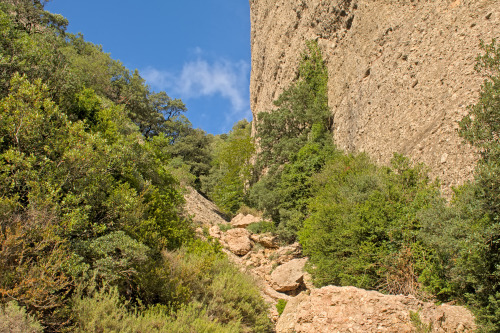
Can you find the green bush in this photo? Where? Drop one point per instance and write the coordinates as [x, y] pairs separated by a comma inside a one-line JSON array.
[[231, 169], [105, 311], [280, 306], [14, 319], [213, 281], [363, 224], [262, 227]]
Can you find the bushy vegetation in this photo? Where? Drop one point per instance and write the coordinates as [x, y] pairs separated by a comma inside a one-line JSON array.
[[14, 319], [211, 295], [91, 229], [231, 168], [91, 232], [363, 224], [383, 227]]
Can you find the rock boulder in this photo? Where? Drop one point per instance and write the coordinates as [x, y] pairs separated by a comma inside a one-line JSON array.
[[289, 276], [267, 240], [238, 241], [243, 221], [350, 309]]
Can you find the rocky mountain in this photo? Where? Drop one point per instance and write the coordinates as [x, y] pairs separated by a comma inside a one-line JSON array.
[[401, 72]]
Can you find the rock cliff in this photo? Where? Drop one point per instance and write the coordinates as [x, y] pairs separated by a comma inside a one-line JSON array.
[[401, 72]]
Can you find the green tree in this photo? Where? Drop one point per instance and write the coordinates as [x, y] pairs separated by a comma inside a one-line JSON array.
[[481, 128], [282, 132], [231, 172]]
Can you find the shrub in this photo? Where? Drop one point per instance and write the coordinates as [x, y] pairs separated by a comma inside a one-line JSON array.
[[14, 319], [363, 222], [262, 227], [105, 311], [280, 306], [229, 295]]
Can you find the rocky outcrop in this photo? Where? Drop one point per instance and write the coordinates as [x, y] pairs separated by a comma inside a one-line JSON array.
[[401, 73], [267, 240], [289, 276], [329, 309], [349, 309], [203, 212], [243, 221]]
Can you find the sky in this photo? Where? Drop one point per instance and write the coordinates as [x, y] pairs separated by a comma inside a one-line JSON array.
[[195, 50]]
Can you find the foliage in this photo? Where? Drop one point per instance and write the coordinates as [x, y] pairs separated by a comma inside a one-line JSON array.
[[282, 132], [230, 296], [86, 191], [262, 227], [280, 306], [363, 224], [190, 150], [14, 319], [231, 169], [105, 311], [294, 142]]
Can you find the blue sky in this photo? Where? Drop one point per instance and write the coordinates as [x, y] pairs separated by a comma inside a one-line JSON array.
[[196, 50]]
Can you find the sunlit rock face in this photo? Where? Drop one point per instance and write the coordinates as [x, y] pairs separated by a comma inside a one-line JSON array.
[[401, 72], [350, 309]]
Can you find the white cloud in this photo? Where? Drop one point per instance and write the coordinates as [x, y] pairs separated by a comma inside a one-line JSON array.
[[201, 78]]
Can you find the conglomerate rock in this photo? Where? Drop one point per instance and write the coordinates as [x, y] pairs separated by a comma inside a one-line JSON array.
[[238, 241], [401, 73], [349, 309], [289, 276]]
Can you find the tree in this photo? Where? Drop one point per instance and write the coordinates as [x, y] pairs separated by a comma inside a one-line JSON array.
[[282, 132], [231, 170], [481, 128]]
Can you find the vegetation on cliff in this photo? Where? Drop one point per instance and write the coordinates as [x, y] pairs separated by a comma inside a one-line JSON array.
[[385, 228]]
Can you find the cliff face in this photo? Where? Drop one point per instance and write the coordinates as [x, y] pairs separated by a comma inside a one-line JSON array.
[[401, 72]]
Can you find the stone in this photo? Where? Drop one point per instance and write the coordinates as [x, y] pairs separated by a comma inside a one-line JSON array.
[[238, 241], [243, 221], [289, 276], [215, 232], [350, 309], [267, 240], [203, 212]]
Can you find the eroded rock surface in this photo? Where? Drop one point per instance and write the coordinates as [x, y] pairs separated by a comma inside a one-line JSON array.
[[401, 73], [349, 309]]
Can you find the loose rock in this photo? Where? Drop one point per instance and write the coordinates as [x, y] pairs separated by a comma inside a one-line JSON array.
[[289, 276], [238, 241], [267, 240], [243, 221]]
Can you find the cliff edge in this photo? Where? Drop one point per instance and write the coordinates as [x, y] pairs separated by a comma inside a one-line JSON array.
[[401, 72]]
